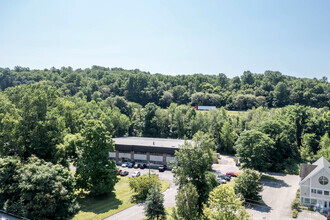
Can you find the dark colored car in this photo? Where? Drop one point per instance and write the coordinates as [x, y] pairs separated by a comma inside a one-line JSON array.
[[137, 165], [231, 174], [225, 177], [162, 168], [123, 173], [142, 166], [130, 164]]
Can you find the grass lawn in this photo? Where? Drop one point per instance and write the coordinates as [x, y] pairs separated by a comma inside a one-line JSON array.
[[104, 206], [265, 176]]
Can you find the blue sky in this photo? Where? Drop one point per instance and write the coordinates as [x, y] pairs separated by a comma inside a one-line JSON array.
[[170, 37]]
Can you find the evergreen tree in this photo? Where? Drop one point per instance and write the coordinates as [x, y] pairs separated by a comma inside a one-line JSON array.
[[154, 206]]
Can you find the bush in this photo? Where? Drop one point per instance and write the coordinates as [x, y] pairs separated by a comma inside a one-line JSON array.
[[294, 213], [295, 204], [142, 184], [248, 185]]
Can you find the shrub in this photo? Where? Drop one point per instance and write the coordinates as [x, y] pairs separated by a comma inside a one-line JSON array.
[[294, 213], [295, 204], [248, 185], [142, 184]]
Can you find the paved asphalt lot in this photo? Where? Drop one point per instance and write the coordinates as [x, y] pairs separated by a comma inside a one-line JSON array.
[[277, 195], [136, 212]]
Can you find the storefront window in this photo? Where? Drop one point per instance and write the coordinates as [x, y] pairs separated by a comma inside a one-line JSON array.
[[307, 200], [313, 201]]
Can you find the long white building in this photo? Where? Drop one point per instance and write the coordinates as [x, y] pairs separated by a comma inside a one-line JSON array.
[[145, 150]]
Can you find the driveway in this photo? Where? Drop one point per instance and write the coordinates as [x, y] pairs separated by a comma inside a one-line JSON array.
[[136, 211], [277, 195]]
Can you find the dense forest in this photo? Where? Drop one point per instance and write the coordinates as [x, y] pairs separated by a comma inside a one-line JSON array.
[[270, 89], [50, 117]]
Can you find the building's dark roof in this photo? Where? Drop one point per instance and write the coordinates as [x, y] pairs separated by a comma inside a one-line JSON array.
[[306, 169]]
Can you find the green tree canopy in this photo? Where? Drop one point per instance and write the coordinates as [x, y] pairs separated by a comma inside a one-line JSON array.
[[248, 185], [223, 204], [154, 205], [255, 150], [95, 172]]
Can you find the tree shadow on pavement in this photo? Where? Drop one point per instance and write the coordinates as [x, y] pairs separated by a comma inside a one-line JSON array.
[[274, 183], [257, 207]]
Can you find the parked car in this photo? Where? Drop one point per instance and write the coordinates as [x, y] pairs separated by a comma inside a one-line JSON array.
[[173, 169], [231, 174], [119, 171], [136, 174], [130, 164], [137, 165], [221, 181], [124, 173], [162, 168], [225, 177], [142, 166], [124, 164]]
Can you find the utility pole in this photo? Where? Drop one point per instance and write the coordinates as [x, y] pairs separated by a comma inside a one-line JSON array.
[[149, 168]]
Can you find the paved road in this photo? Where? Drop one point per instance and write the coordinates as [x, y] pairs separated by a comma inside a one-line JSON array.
[[136, 212], [277, 195], [6, 217]]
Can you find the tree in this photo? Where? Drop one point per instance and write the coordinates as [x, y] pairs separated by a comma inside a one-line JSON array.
[[223, 204], [248, 185], [186, 202], [55, 197], [306, 152], [194, 159], [283, 135], [255, 150], [46, 190], [142, 184], [154, 205], [95, 172], [227, 137], [166, 99], [9, 184], [325, 147], [281, 95], [150, 125], [299, 116]]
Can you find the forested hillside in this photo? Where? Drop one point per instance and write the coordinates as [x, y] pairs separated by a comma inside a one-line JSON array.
[[270, 89], [51, 117]]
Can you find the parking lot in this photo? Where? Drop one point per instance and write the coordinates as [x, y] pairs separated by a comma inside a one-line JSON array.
[[277, 194], [136, 211]]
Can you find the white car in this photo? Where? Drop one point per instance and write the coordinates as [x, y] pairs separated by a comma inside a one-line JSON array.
[[221, 181], [136, 174], [125, 164]]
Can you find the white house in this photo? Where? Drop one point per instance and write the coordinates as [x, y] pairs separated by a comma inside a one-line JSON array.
[[314, 184]]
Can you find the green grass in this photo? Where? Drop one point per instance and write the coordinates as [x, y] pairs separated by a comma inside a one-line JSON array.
[[109, 204], [264, 176]]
